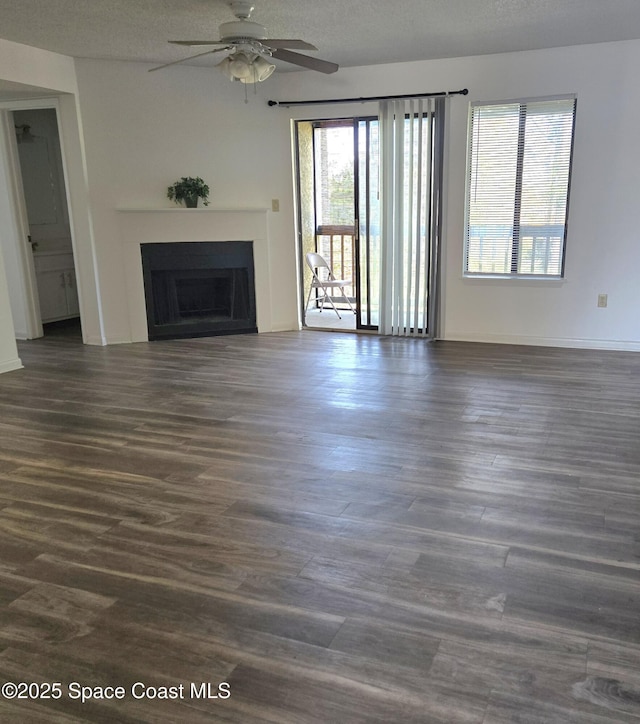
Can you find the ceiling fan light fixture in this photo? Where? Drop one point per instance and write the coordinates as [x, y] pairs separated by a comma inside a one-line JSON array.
[[261, 69], [240, 66], [245, 68], [223, 66]]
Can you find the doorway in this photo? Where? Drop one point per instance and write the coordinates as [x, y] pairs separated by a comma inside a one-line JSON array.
[[39, 157], [370, 193], [339, 216]]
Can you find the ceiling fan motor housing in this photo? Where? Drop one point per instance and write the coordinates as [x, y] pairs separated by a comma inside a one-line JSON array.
[[238, 30]]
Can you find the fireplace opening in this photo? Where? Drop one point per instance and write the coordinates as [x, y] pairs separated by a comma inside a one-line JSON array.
[[196, 289], [207, 298], [199, 295]]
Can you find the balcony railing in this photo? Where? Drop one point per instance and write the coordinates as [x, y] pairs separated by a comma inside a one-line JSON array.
[[540, 249], [337, 245]]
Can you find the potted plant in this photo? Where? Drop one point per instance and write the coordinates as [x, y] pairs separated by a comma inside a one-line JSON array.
[[189, 190]]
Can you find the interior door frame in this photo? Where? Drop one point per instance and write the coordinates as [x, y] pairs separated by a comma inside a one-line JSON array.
[[25, 285]]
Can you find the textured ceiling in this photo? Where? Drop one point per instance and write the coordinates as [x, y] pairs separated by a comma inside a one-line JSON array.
[[348, 32]]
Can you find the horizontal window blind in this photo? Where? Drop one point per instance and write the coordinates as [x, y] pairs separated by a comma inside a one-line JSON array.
[[518, 187]]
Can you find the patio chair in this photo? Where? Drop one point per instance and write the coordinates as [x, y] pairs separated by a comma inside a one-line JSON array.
[[324, 280]]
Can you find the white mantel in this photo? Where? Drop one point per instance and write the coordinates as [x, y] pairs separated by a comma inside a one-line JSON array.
[[142, 226]]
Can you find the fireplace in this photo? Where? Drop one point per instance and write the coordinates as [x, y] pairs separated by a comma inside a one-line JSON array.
[[199, 289]]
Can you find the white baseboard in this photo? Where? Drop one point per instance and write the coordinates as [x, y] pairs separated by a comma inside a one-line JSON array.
[[97, 341], [574, 343], [292, 327], [11, 364]]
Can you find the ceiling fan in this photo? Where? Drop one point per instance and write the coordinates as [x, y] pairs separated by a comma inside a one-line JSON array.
[[249, 49]]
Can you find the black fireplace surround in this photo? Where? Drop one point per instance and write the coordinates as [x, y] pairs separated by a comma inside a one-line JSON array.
[[199, 289]]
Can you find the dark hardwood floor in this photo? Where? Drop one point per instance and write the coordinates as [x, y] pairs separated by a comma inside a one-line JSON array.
[[340, 528]]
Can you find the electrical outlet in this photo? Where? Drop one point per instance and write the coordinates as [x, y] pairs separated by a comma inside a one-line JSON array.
[[602, 300], [275, 204]]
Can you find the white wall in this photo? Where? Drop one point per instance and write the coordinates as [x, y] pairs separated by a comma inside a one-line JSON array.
[[43, 79], [603, 249], [13, 245], [603, 252], [37, 69], [9, 359], [144, 130], [128, 134]]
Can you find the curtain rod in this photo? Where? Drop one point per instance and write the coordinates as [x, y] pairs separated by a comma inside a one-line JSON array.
[[288, 104]]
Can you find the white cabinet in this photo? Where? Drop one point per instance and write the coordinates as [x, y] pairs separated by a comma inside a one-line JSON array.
[[56, 277]]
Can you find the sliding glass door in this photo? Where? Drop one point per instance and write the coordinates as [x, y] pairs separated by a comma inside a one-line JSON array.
[[367, 198], [337, 198], [341, 218], [334, 198]]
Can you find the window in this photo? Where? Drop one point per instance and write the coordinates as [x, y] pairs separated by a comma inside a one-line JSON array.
[[518, 188]]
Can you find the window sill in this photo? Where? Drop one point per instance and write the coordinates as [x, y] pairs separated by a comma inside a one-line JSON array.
[[512, 278]]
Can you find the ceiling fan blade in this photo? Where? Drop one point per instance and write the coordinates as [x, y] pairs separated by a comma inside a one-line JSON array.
[[280, 43], [184, 60], [197, 42], [323, 66]]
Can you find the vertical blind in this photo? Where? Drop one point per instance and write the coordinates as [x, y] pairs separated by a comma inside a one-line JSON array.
[[408, 217], [518, 187]]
